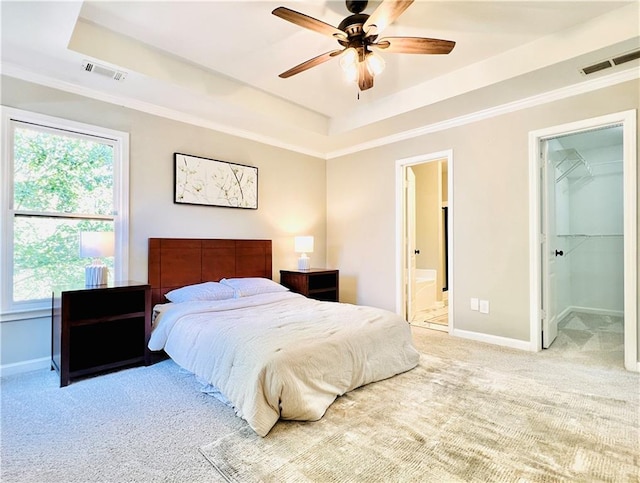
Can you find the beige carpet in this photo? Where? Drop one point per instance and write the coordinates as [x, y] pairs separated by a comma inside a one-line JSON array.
[[587, 337], [474, 412], [445, 421]]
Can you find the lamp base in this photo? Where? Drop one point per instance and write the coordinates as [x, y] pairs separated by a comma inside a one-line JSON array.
[[95, 275], [304, 262]]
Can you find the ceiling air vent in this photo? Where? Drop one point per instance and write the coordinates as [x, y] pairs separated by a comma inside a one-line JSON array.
[[627, 57], [611, 62], [597, 67], [103, 70]]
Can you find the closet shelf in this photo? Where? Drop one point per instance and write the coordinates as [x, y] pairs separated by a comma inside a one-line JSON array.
[[582, 238], [569, 160]]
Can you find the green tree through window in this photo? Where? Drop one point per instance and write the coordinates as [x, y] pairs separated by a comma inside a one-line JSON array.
[[63, 184]]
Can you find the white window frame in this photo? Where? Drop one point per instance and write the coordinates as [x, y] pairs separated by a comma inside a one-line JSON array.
[[10, 310]]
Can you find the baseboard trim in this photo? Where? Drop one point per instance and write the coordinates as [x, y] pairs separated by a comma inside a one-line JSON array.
[[432, 326], [564, 313], [493, 339], [596, 311], [25, 366]]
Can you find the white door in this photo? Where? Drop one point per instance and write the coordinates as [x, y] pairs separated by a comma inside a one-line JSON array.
[[410, 203], [550, 249]]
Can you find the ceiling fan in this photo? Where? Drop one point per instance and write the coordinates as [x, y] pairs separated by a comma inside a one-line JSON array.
[[358, 36]]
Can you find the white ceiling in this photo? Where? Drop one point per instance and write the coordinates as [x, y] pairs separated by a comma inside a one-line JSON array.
[[216, 63]]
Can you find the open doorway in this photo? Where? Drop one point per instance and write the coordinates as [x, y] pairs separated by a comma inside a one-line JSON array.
[[424, 193], [584, 265]]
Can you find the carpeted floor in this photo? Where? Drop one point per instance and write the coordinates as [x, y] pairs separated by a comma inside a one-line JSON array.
[[444, 421], [591, 338], [470, 412]]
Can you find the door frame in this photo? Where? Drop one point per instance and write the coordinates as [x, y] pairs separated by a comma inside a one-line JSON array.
[[401, 165], [630, 230]]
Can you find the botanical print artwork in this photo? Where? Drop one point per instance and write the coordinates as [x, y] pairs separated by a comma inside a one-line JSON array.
[[202, 181]]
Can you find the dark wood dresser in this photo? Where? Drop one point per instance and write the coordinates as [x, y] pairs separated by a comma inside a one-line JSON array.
[[97, 329], [316, 283]]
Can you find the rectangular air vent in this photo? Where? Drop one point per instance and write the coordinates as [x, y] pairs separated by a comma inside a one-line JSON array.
[[627, 57], [611, 62], [104, 70], [596, 67]]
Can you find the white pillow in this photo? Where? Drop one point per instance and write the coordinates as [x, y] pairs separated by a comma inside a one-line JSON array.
[[245, 287], [201, 291]]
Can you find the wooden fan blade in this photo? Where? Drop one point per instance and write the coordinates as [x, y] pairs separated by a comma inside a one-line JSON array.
[[414, 45], [365, 78], [385, 14], [307, 22], [320, 59]]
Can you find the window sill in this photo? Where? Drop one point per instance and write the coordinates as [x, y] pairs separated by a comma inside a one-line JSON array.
[[26, 314]]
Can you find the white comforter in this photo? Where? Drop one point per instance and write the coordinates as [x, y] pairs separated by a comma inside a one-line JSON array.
[[282, 355]]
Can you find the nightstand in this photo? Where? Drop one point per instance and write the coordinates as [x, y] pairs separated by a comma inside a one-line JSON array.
[[316, 283], [97, 329]]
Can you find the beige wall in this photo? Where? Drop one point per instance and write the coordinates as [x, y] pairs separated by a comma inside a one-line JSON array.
[[490, 203], [357, 198], [291, 192]]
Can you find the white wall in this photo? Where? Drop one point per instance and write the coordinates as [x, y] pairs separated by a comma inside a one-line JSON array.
[[291, 192], [590, 276], [597, 276]]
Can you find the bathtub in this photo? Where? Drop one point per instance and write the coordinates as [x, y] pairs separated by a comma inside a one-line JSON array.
[[425, 297]]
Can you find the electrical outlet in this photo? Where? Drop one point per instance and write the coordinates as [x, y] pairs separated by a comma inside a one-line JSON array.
[[484, 306], [474, 304]]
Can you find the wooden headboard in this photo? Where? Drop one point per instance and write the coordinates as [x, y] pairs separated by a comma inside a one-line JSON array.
[[176, 262]]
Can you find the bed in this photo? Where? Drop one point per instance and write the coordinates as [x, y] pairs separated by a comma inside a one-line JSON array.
[[267, 352]]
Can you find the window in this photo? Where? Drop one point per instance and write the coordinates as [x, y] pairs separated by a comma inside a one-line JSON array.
[[59, 179]]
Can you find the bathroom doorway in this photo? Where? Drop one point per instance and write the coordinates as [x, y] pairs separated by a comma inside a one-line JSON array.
[[424, 254], [587, 240]]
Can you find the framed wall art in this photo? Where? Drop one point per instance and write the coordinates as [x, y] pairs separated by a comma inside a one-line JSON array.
[[203, 181]]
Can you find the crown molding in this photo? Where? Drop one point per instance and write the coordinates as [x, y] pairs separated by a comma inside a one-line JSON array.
[[149, 108], [525, 103]]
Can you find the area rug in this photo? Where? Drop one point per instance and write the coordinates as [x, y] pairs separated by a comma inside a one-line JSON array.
[[445, 421]]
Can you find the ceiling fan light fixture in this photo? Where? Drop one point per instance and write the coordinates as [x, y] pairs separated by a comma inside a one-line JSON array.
[[351, 75], [359, 32], [375, 63], [348, 58], [349, 64]]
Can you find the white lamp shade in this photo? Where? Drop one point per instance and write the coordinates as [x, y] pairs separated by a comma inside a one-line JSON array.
[[304, 244], [375, 63], [96, 244]]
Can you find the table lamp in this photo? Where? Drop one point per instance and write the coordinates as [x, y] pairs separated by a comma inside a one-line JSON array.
[[304, 245], [96, 244]]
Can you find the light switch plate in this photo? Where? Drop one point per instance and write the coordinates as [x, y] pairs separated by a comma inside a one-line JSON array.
[[484, 306], [474, 304]]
